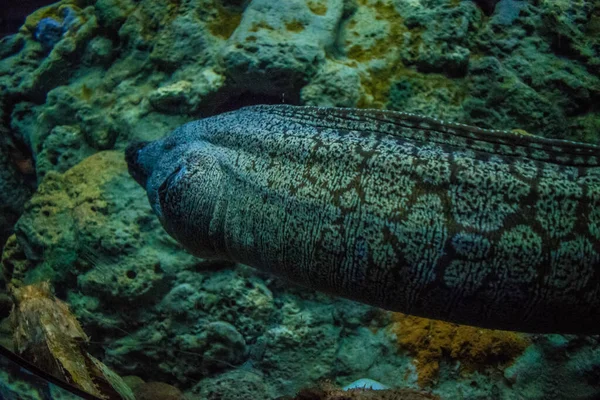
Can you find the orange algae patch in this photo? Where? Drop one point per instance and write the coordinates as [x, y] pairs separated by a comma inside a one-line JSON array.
[[431, 342]]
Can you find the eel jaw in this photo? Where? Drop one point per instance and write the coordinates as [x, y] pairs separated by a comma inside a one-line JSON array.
[[135, 167]]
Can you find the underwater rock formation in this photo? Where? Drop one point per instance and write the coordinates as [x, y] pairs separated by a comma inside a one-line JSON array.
[[17, 177], [327, 391], [158, 391], [278, 47], [66, 230], [488, 6], [134, 70], [14, 192], [232, 385], [557, 367]]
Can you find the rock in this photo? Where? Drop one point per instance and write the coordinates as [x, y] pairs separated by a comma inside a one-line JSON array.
[[487, 6], [187, 96], [205, 320], [68, 128], [243, 301], [233, 385], [81, 26], [440, 45], [335, 85], [572, 29], [17, 181], [48, 32], [14, 192], [112, 13], [557, 367], [413, 92], [64, 148], [6, 334], [129, 70], [507, 11], [99, 52], [11, 44], [361, 351], [500, 99], [225, 345], [278, 47], [5, 305], [158, 391], [218, 345], [186, 40], [14, 262], [134, 382], [96, 203]]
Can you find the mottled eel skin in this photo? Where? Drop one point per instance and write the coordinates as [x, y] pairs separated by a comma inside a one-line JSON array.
[[399, 211]]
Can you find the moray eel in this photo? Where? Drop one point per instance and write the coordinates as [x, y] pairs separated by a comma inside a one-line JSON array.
[[399, 211]]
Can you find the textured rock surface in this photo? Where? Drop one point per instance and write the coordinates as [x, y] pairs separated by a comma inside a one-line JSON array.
[[14, 191], [133, 70], [158, 390], [234, 385], [278, 47], [557, 367]]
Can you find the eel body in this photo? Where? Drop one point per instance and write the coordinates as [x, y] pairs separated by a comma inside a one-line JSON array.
[[403, 212]]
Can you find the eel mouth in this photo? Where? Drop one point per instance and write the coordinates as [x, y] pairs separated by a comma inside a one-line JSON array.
[[135, 167]]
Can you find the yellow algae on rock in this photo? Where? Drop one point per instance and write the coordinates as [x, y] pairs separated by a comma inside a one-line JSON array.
[[372, 37], [317, 8], [93, 224], [294, 26], [431, 341], [373, 30], [64, 206], [225, 22]]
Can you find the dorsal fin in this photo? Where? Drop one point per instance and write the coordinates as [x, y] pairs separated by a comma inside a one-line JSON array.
[[430, 130]]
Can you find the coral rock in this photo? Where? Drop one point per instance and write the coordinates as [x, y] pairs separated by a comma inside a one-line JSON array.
[[158, 391]]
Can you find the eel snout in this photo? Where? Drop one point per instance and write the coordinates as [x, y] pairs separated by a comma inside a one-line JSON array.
[[136, 169]]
